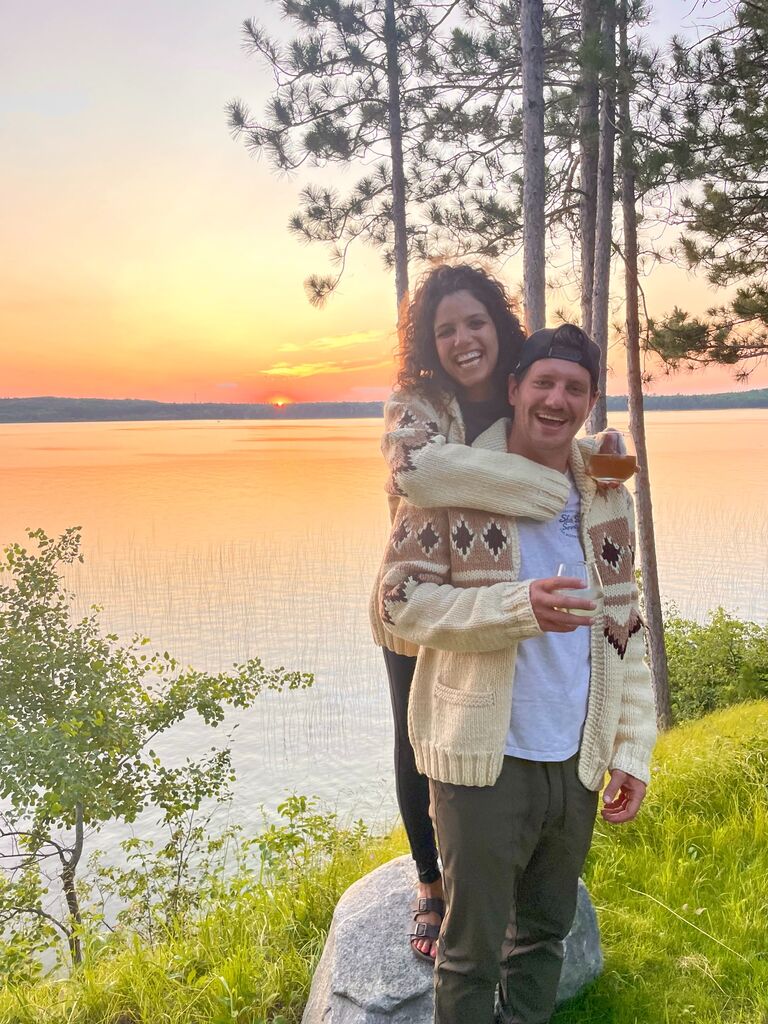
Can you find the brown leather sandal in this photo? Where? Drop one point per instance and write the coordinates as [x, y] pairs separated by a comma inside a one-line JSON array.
[[426, 905]]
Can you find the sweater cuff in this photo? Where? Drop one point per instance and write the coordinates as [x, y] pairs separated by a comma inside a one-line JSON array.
[[634, 761], [516, 605]]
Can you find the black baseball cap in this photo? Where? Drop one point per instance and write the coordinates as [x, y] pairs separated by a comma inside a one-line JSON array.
[[564, 342]]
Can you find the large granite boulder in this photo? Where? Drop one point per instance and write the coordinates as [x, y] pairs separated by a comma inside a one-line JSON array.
[[368, 975]]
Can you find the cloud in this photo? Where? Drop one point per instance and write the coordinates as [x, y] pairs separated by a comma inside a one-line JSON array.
[[369, 394], [318, 369], [329, 343]]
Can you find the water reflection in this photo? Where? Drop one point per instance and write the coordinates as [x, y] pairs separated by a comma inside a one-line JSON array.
[[222, 541]]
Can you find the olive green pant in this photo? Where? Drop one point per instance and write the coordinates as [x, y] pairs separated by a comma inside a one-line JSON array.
[[512, 854]]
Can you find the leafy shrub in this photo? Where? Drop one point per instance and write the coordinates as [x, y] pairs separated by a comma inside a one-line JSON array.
[[716, 664], [223, 930], [80, 712]]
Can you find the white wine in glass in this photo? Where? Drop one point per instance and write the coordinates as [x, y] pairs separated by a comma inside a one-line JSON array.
[[614, 459], [592, 590]]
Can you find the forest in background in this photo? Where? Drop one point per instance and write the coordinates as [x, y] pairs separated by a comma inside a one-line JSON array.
[[84, 410]]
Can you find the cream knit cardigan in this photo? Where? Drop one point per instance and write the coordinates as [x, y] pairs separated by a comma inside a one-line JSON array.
[[449, 584], [431, 466]]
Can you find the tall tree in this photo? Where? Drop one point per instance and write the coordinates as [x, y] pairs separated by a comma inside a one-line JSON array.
[[601, 281], [722, 87], [339, 98], [588, 152], [649, 567], [479, 124], [534, 271], [396, 155]]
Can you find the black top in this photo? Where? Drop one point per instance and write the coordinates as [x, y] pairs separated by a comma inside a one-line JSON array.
[[478, 416]]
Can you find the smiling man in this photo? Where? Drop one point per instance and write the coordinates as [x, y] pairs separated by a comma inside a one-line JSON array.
[[520, 705]]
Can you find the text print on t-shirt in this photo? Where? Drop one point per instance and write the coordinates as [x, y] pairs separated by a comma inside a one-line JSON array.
[[569, 521]]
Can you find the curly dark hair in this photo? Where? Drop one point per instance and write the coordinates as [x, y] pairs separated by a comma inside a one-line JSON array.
[[420, 368]]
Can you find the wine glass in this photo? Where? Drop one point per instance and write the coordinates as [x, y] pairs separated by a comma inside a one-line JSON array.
[[592, 589], [613, 459]]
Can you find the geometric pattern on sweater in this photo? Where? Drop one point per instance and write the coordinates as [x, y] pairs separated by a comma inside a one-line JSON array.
[[618, 633], [424, 549], [400, 534], [462, 538], [428, 538], [403, 449], [496, 539], [399, 593], [614, 548]]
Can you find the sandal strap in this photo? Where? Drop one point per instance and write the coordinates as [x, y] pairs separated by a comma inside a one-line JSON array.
[[429, 905], [425, 931]]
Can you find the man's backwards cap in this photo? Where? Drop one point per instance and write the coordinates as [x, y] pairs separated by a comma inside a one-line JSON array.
[[564, 342]]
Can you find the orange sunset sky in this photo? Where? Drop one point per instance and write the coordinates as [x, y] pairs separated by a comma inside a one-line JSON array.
[[146, 253]]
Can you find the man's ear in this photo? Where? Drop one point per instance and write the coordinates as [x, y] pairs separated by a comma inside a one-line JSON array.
[[594, 398], [512, 386]]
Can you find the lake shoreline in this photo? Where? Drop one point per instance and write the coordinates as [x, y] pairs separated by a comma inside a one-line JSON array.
[[50, 409]]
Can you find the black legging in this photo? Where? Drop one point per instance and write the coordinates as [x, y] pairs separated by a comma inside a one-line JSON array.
[[412, 787]]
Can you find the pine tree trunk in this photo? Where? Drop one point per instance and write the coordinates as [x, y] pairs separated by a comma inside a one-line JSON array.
[[588, 153], [532, 51], [396, 150], [651, 595], [604, 218]]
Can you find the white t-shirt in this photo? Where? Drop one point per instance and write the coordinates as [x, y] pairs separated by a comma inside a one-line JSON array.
[[551, 686]]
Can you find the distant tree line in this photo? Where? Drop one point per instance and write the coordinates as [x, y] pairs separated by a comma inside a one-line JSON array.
[[82, 410]]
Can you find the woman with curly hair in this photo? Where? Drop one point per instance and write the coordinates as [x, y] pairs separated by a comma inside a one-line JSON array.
[[460, 342]]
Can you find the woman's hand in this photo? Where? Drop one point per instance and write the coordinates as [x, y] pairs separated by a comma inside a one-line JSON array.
[[604, 486]]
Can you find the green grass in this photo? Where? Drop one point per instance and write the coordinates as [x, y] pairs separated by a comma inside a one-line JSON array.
[[682, 896], [682, 893], [248, 959]]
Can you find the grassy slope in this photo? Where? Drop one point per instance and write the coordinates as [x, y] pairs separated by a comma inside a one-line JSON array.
[[682, 893], [682, 896]]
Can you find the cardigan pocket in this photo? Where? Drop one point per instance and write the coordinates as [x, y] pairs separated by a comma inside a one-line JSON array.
[[465, 698]]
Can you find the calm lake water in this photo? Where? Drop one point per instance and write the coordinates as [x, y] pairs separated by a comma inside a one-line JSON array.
[[225, 540]]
